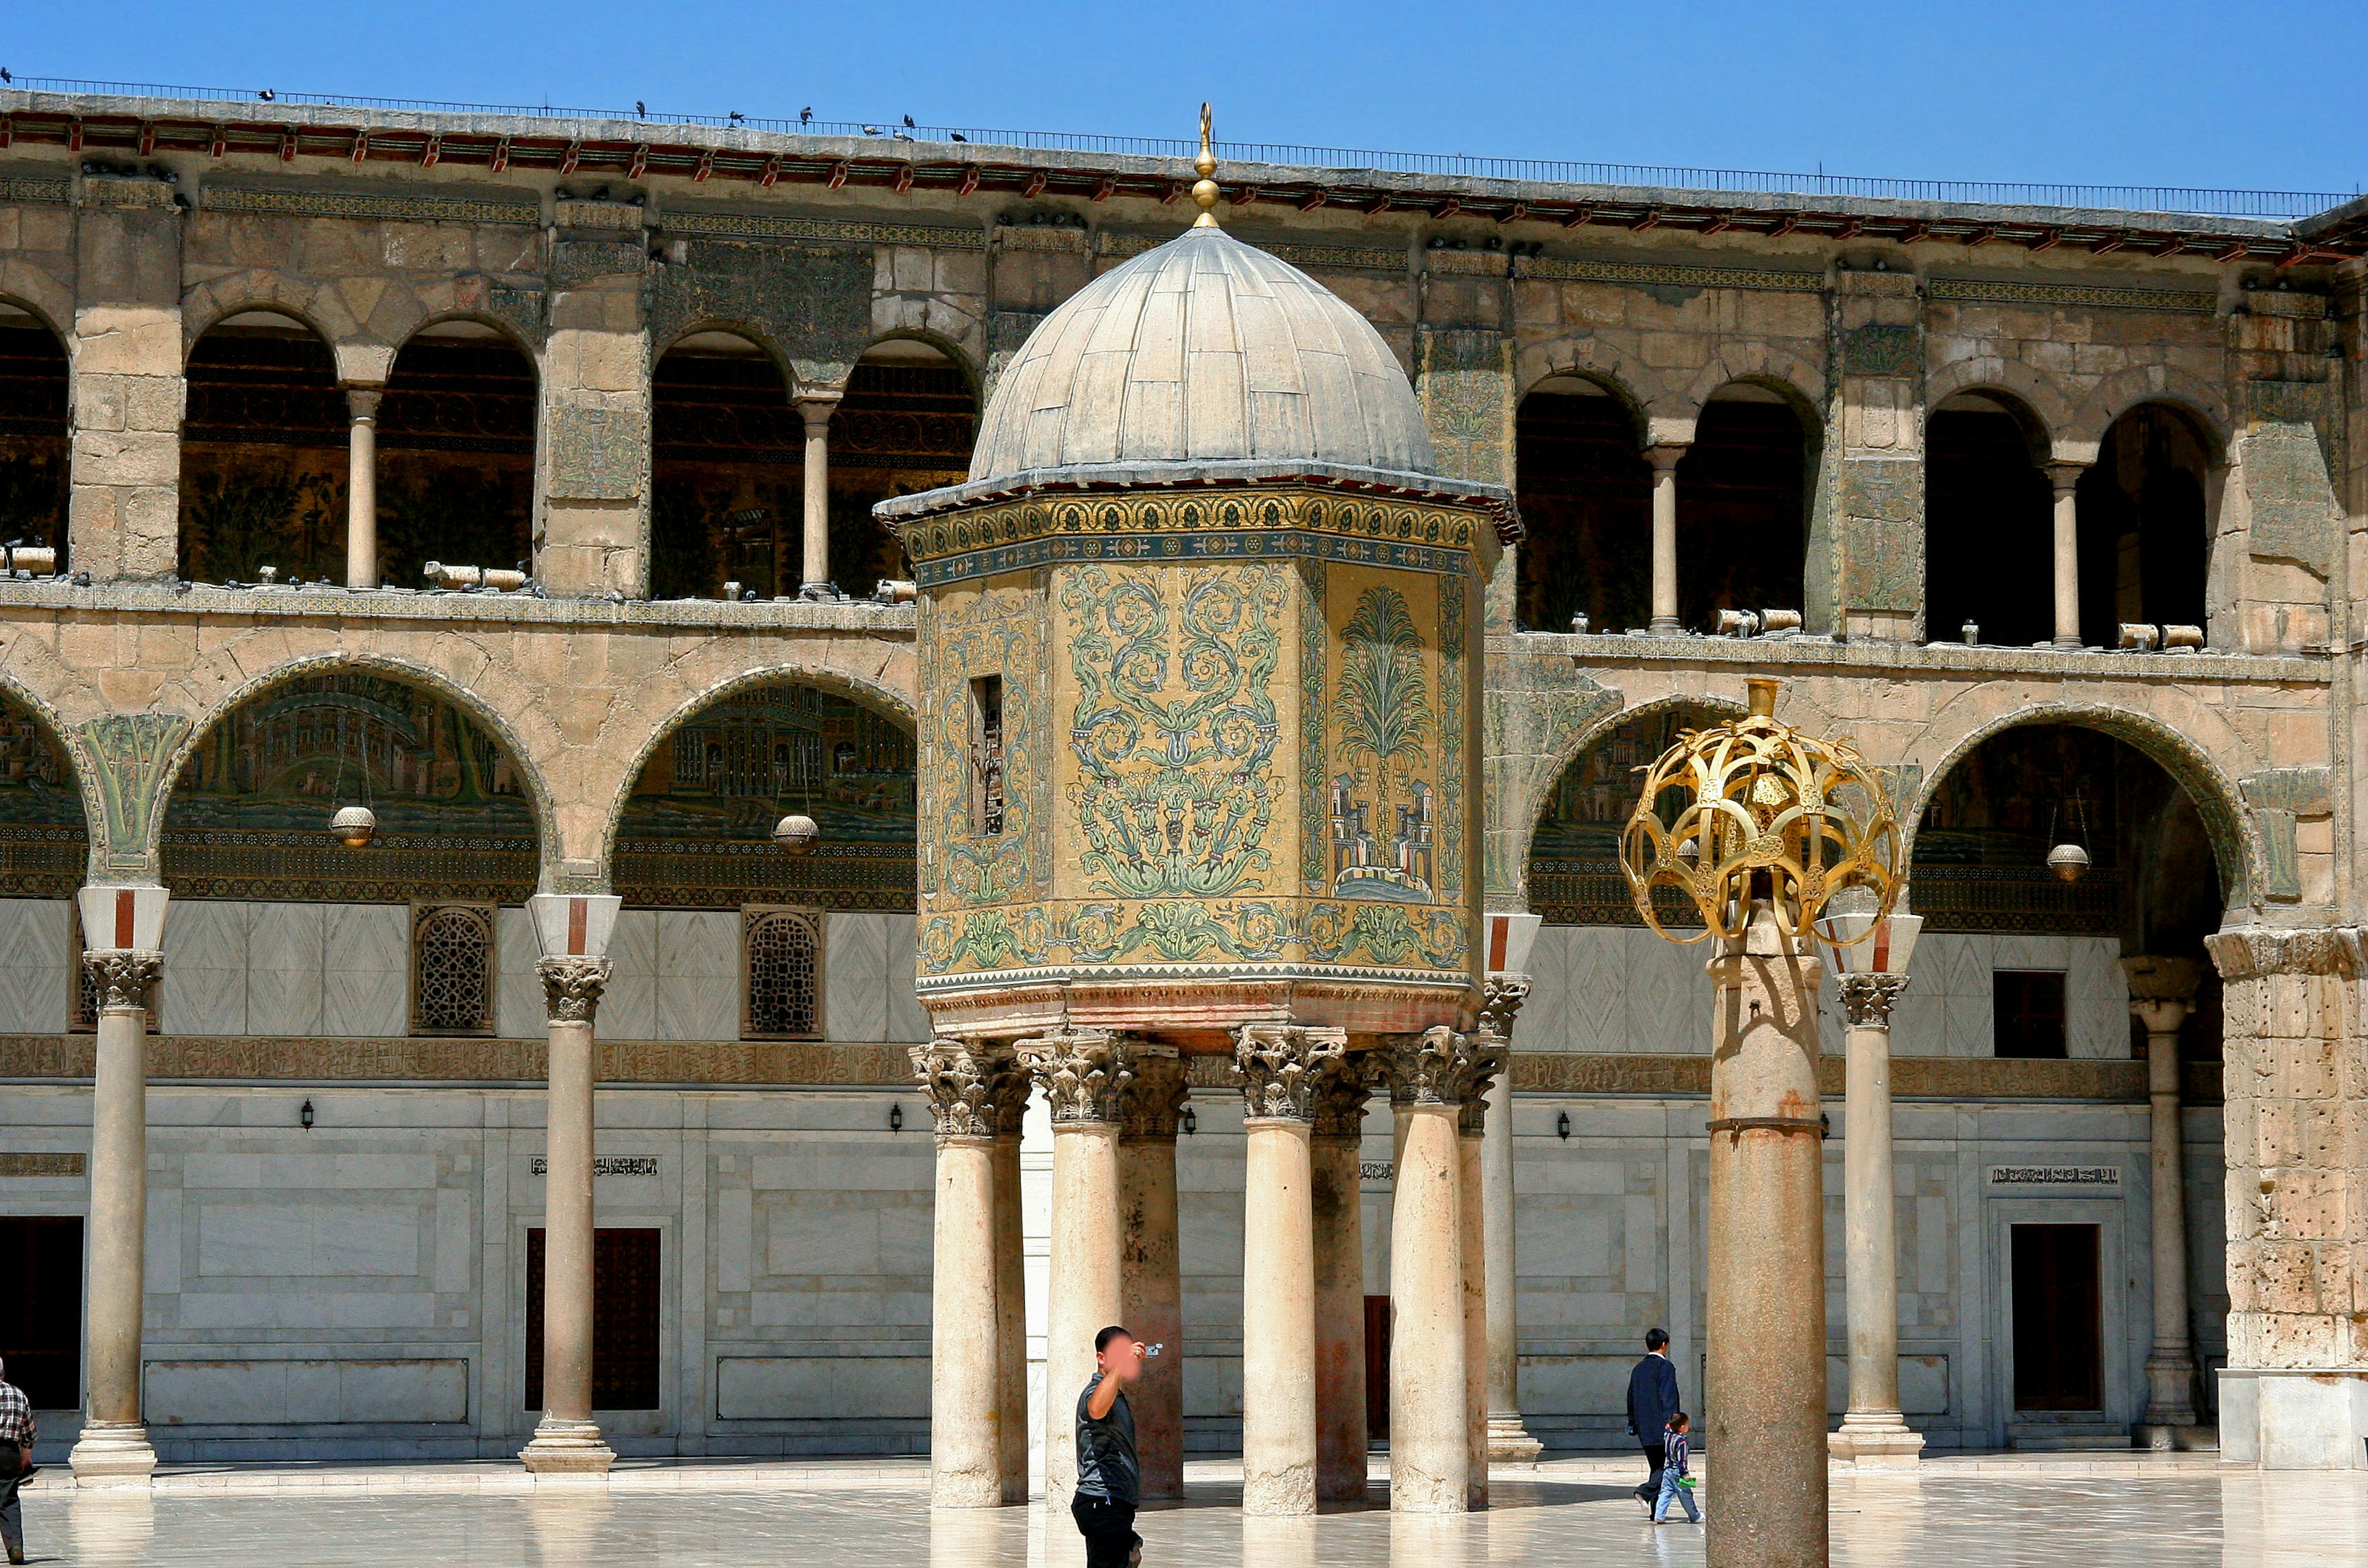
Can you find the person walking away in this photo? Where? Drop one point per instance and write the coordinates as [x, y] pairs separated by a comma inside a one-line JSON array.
[[15, 1463], [1652, 1399], [1674, 1482], [1108, 1478]]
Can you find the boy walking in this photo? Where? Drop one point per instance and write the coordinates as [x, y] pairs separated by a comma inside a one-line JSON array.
[[1673, 1471]]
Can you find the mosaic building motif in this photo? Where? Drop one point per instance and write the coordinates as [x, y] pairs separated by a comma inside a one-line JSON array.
[[248, 818], [43, 842]]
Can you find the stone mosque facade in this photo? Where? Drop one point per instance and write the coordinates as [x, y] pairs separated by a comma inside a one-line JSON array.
[[1211, 663]]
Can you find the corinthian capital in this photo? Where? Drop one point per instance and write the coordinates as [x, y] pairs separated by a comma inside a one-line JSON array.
[[1442, 1067], [1867, 998], [1084, 1076], [1282, 1066], [123, 976], [967, 1082], [571, 987], [1501, 1000], [1153, 1098], [1341, 1096]]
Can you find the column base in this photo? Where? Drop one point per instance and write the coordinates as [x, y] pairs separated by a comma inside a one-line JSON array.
[[1665, 626], [820, 592], [567, 1448], [2067, 645], [1876, 1439], [2179, 1437], [113, 1453], [1509, 1442]]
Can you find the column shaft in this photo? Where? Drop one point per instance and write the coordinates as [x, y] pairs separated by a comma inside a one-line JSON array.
[[1083, 1288], [2065, 477], [1151, 1293], [1471, 1231], [1012, 1303], [966, 1410], [1873, 1433], [114, 1445], [361, 490], [1665, 535], [1766, 1391], [1508, 1439], [2170, 1369], [816, 413], [1337, 1205], [1278, 1320], [567, 1439], [1430, 1456]]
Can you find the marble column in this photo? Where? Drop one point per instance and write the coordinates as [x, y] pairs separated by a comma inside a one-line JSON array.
[[2065, 477], [967, 1414], [567, 1440], [1151, 1279], [1430, 1459], [1335, 1190], [1281, 1069], [1508, 1441], [816, 412], [361, 488], [1766, 1272], [1873, 1433], [114, 1448], [1472, 1226], [1664, 459], [1011, 1285], [1084, 1076], [2162, 990]]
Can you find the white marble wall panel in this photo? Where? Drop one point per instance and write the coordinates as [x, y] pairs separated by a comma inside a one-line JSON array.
[[520, 1012], [315, 1392], [204, 987], [908, 1021], [792, 1387], [2096, 998], [366, 958], [285, 958], [1668, 996], [282, 1239], [855, 977], [37, 972], [698, 975], [628, 1005]]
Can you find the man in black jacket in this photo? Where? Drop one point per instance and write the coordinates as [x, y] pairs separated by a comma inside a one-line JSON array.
[[1652, 1395]]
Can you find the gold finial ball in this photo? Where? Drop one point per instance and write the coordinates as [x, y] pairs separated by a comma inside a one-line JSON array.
[[1754, 810], [1205, 193]]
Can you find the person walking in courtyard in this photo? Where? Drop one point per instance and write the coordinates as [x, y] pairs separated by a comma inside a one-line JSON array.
[[1108, 1474], [15, 1463], [1652, 1400], [1675, 1484]]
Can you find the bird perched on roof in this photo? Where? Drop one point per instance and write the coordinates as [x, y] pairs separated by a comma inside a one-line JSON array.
[[876, 130], [4, 75], [908, 124], [641, 109], [806, 116], [958, 136], [267, 95], [738, 118]]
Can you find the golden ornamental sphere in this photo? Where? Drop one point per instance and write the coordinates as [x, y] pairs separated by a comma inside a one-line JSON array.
[[354, 826], [797, 835], [1755, 809]]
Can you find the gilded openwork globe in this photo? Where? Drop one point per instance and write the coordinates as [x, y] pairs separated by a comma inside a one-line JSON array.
[[1753, 810]]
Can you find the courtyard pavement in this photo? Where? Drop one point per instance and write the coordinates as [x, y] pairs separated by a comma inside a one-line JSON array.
[[2002, 1512]]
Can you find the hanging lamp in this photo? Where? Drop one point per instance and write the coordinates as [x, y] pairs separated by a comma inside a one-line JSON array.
[[352, 826]]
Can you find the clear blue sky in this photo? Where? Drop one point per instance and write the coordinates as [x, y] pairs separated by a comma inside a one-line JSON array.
[[2240, 93]]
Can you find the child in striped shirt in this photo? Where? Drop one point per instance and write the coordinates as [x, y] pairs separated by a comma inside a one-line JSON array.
[[1673, 1471]]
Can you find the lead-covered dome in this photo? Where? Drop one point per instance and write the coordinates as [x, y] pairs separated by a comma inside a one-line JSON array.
[[1203, 350]]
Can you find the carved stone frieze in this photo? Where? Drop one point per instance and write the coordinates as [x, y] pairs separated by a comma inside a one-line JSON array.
[[968, 1085], [571, 986], [1867, 998], [1084, 1075], [124, 976], [1280, 1068]]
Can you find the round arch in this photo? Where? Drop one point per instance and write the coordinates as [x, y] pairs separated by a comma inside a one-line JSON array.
[[2115, 397], [1586, 739], [953, 353], [542, 804], [508, 332], [2236, 843], [1770, 368], [1605, 380], [296, 313], [754, 336], [2037, 404]]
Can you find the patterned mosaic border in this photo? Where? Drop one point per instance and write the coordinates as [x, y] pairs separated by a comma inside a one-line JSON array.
[[753, 226], [2194, 301], [1671, 274], [24, 190], [1155, 548], [359, 204], [1355, 258]]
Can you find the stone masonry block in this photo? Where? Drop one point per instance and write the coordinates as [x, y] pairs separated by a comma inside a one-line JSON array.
[[110, 457], [127, 341]]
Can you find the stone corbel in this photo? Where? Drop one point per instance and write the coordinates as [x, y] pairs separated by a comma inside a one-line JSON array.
[[572, 987], [1281, 1067]]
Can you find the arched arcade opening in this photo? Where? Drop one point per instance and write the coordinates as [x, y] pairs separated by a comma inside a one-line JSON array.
[[1743, 506], [1988, 523], [35, 443], [1586, 495], [456, 453], [2145, 526], [265, 446]]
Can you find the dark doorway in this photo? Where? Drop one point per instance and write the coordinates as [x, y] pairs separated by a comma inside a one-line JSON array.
[[2058, 1339], [1377, 1367], [1743, 520], [1586, 498], [2028, 1012], [1988, 527], [624, 1320], [40, 1308]]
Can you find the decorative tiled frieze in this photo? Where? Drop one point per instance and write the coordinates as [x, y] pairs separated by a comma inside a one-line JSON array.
[[364, 204], [1670, 274], [755, 226], [2191, 301], [1357, 257], [15, 1163], [18, 187]]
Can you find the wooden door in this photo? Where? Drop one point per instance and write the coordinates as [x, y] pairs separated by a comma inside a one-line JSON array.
[[2059, 1333], [40, 1308], [1377, 1367]]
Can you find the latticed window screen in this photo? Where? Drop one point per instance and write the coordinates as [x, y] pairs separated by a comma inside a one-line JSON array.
[[451, 969], [780, 951]]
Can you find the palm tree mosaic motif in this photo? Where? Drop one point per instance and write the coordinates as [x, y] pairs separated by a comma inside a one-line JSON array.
[[1384, 709]]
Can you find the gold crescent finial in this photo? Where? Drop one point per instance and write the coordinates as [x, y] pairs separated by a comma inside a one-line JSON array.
[[1205, 192]]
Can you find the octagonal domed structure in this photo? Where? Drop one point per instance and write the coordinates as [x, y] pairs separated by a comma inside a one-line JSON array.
[[1204, 350]]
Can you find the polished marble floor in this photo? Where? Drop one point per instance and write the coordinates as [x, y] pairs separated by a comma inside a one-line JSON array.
[[2100, 1521]]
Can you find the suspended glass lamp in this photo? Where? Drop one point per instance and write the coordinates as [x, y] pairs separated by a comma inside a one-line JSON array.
[[352, 826], [797, 834], [2069, 860]]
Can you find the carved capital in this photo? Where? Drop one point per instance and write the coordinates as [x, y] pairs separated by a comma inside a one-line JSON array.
[[362, 403], [1341, 1096], [1084, 1076], [1867, 999], [1154, 1099], [967, 1082], [1280, 1067], [571, 986], [123, 976], [1501, 1001], [1442, 1067]]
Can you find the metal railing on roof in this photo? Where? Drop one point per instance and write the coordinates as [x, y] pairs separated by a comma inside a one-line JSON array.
[[2113, 198]]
